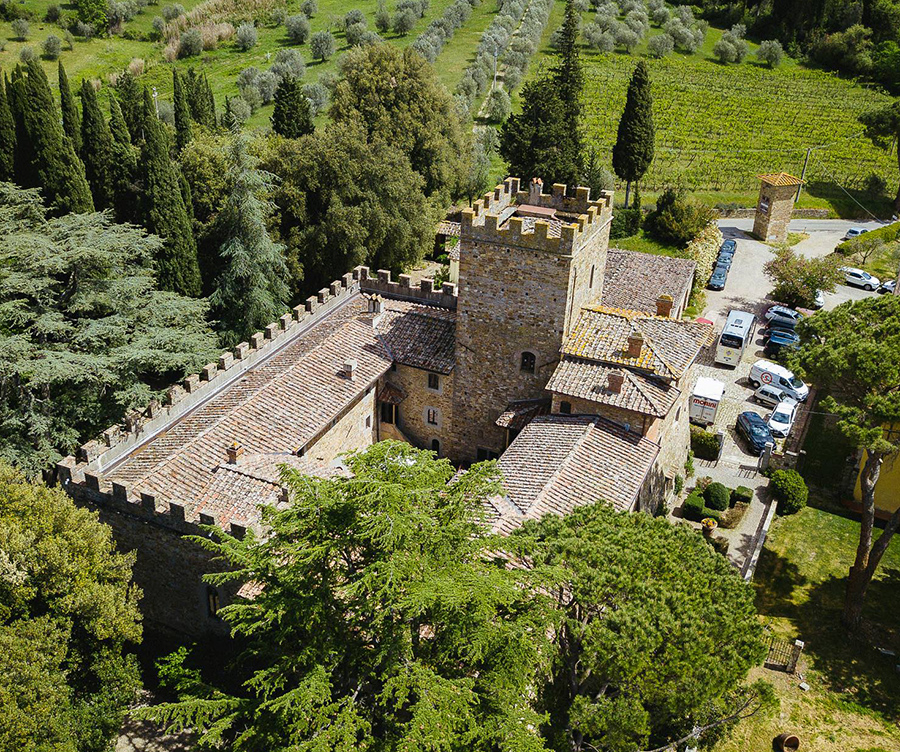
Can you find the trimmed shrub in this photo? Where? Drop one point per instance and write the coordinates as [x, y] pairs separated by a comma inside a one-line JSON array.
[[704, 444], [717, 496], [322, 45], [246, 37], [790, 491], [297, 28], [52, 47], [693, 507], [742, 494]]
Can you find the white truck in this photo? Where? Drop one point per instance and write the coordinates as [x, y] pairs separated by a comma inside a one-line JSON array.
[[705, 400]]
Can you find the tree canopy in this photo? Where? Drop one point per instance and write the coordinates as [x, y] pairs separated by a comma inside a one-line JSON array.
[[633, 150], [67, 611], [84, 333], [882, 126], [797, 279]]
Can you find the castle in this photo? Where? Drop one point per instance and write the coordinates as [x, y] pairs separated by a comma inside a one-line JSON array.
[[565, 359]]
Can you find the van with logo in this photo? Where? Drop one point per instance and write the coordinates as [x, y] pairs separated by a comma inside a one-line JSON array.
[[771, 374]]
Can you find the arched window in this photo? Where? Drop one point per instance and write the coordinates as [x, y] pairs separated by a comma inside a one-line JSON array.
[[436, 447], [528, 362], [565, 408]]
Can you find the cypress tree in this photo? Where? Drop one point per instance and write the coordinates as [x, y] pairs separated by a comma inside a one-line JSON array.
[[210, 106], [96, 149], [200, 98], [131, 102], [124, 158], [117, 126], [568, 85], [292, 117], [164, 210], [182, 112], [70, 117], [633, 151], [59, 171], [7, 136], [23, 157]]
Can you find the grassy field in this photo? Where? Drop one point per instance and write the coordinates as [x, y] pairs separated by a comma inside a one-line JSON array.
[[851, 705]]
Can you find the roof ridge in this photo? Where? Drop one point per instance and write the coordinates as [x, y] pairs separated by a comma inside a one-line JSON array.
[[648, 342], [588, 427], [637, 385]]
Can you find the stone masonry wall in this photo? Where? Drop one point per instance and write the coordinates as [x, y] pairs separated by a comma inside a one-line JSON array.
[[642, 424], [412, 411], [355, 429], [772, 225]]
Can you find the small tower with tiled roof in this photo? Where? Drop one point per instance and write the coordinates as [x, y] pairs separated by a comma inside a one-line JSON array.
[[775, 205]]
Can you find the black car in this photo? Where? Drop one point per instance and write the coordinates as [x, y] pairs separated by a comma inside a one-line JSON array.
[[718, 278], [754, 430]]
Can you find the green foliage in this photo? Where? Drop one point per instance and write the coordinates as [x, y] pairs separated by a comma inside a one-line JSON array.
[[291, 116], [633, 151], [689, 464], [250, 290], [678, 220], [70, 116], [797, 278], [93, 12], [625, 223], [770, 52], [568, 83], [694, 507], [97, 151], [125, 172], [398, 98], [731, 46], [131, 103], [656, 627], [182, 111], [7, 136], [85, 334], [297, 28], [704, 444], [717, 496], [322, 45], [498, 106], [679, 484], [882, 127], [742, 494], [200, 98], [789, 489], [67, 611], [383, 619]]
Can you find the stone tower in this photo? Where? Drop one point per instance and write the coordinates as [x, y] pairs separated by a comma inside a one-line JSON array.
[[776, 202], [528, 262]]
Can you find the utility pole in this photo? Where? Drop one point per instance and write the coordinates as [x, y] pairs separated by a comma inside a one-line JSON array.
[[803, 174]]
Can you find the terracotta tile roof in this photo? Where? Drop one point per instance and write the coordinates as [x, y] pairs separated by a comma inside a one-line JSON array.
[[670, 345], [279, 406], [588, 380], [635, 280], [448, 228], [560, 462], [518, 414], [391, 394], [781, 178], [419, 335]]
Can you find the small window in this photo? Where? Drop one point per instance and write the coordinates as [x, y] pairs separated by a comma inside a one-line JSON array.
[[436, 447], [368, 421], [528, 362], [486, 454], [434, 381], [431, 416], [591, 285], [212, 602], [565, 408], [387, 412]]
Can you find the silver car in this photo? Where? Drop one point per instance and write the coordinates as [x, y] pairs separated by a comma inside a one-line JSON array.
[[769, 395], [781, 421], [860, 278]]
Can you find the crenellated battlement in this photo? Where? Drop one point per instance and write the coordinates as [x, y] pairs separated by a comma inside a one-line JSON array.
[[445, 297], [493, 218]]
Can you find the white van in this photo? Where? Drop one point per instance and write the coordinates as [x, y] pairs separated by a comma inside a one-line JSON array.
[[767, 372], [705, 401]]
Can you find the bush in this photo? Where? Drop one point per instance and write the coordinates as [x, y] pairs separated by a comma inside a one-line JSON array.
[[288, 64], [20, 28], [277, 16], [742, 494], [694, 507], [498, 106], [190, 44], [52, 47], [159, 26], [689, 464], [354, 16], [704, 444], [171, 12], [322, 45], [770, 52], [599, 38], [318, 97], [237, 112], [790, 491], [679, 485], [246, 37], [53, 13], [678, 220], [717, 496], [27, 54], [297, 28], [382, 19], [83, 30], [309, 8], [625, 223], [732, 47], [403, 22], [661, 45], [356, 34]]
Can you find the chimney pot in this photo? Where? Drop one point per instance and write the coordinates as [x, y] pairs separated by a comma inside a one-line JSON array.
[[234, 452], [664, 305], [635, 345], [376, 304], [614, 382], [350, 368]]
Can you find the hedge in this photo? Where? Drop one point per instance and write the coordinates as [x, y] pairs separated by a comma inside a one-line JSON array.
[[789, 489], [742, 493], [887, 234], [704, 444], [695, 509], [717, 497]]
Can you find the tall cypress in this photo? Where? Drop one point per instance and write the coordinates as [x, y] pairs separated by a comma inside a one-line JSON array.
[[59, 171], [131, 102], [182, 112], [200, 98], [164, 210], [7, 137], [96, 149], [633, 151], [291, 117], [70, 117], [117, 125], [210, 108], [126, 192], [23, 158], [568, 82]]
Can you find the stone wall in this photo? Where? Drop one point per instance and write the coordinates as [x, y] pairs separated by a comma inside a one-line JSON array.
[[773, 212], [355, 429], [645, 425], [412, 411]]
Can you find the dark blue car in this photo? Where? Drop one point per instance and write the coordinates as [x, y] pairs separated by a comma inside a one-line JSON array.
[[778, 341], [725, 259], [718, 278], [729, 246], [754, 430]]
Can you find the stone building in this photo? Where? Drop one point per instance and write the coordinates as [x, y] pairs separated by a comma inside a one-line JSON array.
[[566, 359], [775, 206]]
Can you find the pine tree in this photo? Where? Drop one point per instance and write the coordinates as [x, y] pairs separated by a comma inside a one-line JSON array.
[[292, 117], [568, 81], [633, 151], [131, 103], [70, 117], [58, 169], [251, 289], [7, 136], [164, 210], [182, 112], [97, 149]]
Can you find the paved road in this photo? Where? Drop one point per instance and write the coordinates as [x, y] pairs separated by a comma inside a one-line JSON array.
[[806, 225]]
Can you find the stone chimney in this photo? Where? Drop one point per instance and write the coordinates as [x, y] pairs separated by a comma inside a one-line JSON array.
[[614, 382], [664, 305], [635, 345], [349, 369], [376, 304], [534, 191], [234, 452]]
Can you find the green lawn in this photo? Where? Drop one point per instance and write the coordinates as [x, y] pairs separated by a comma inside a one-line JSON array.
[[852, 701]]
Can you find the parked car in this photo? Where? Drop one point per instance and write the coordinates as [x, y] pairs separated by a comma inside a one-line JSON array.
[[783, 316], [854, 232], [777, 342], [718, 278], [729, 246], [860, 278], [754, 430], [888, 286], [725, 259], [767, 372], [769, 395], [781, 421], [781, 331]]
